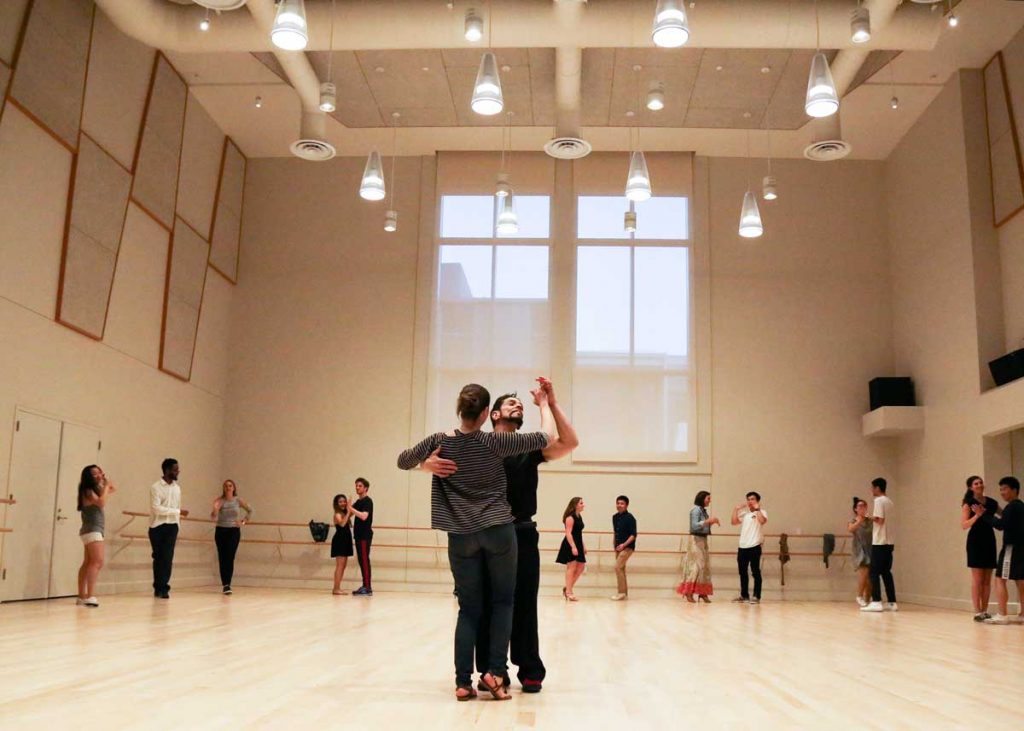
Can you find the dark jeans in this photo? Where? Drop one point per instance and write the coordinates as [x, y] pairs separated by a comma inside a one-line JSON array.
[[227, 546], [525, 644], [468, 555], [363, 554], [162, 540], [749, 558], [881, 570]]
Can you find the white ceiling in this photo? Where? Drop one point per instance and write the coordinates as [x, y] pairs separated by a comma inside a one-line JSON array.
[[227, 84]]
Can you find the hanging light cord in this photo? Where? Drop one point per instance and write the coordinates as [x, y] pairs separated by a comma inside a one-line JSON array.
[[748, 158], [330, 48], [509, 163], [817, 29], [394, 157]]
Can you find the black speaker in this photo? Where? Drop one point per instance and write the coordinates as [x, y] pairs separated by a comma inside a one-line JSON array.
[[1008, 368], [891, 392]]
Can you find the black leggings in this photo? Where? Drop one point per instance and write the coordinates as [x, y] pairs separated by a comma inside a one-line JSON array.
[[749, 558], [227, 546]]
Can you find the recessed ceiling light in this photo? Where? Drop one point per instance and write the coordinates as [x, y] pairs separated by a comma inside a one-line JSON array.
[[258, 102], [719, 67], [746, 115], [506, 68], [424, 68], [766, 69], [379, 69], [630, 113]]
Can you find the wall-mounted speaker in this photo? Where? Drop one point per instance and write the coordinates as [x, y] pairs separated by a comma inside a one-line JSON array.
[[891, 392]]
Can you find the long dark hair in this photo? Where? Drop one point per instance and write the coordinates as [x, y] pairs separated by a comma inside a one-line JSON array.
[[701, 497], [87, 483], [570, 509], [339, 496], [969, 498], [857, 501]]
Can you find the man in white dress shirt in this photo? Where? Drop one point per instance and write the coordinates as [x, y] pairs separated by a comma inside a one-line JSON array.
[[165, 514]]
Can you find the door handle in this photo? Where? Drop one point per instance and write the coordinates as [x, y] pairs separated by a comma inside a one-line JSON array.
[[61, 517]]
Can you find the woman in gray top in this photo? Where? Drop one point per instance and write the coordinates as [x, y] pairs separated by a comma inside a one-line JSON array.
[[860, 549], [228, 533], [93, 489]]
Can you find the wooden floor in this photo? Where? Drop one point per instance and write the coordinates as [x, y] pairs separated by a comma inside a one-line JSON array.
[[292, 659]]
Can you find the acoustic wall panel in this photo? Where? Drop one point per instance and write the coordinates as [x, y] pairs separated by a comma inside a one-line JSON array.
[[210, 366], [12, 16], [136, 309], [200, 167], [98, 203], [49, 80], [1004, 149], [227, 222], [156, 169], [120, 69], [5, 79], [185, 281], [35, 171]]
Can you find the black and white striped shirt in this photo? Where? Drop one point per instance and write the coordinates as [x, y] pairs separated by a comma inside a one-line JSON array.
[[475, 497]]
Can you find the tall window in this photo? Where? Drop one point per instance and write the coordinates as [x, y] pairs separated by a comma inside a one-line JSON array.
[[633, 391], [492, 321]]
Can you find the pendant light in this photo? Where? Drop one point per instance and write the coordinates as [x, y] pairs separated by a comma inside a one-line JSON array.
[[769, 184], [638, 182], [391, 215], [750, 216], [290, 31], [894, 102], [372, 186], [508, 221], [951, 19], [474, 27], [860, 24], [822, 100], [487, 99], [671, 28], [328, 91], [204, 24], [656, 97], [629, 219]]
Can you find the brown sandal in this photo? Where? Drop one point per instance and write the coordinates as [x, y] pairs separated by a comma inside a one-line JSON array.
[[496, 687], [470, 693]]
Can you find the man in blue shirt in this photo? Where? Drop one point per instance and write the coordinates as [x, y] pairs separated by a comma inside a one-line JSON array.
[[624, 527]]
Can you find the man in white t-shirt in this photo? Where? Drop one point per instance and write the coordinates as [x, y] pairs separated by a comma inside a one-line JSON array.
[[883, 541], [751, 519]]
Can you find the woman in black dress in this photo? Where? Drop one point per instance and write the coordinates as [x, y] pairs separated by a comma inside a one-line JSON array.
[[981, 544], [341, 544], [571, 552]]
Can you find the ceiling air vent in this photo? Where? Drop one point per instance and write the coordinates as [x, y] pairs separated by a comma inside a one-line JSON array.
[[315, 150], [826, 150], [221, 5], [567, 148]]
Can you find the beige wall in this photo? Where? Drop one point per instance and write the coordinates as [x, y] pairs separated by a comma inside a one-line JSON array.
[[322, 368]]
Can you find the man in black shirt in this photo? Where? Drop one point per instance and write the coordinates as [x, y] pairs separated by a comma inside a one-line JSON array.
[[522, 478], [362, 533], [1010, 566], [624, 527]]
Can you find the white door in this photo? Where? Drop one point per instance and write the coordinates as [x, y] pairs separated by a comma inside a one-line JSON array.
[[79, 447], [33, 484]]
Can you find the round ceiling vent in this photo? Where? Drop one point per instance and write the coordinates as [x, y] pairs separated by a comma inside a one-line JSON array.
[[567, 148], [826, 150], [222, 5], [315, 150]]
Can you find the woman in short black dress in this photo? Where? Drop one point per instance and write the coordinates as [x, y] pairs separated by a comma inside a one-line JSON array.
[[341, 544], [981, 544], [571, 552]]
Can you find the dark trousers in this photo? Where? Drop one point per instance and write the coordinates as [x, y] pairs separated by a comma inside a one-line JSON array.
[[363, 554], [749, 558], [227, 540], [881, 570], [468, 555], [525, 642], [162, 540]]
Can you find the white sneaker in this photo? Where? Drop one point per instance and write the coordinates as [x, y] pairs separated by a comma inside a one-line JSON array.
[[1016, 618], [617, 597], [91, 602], [998, 619], [873, 607], [79, 602], [861, 601], [891, 607]]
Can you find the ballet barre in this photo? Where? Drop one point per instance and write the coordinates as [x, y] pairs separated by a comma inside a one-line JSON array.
[[6, 530], [8, 501]]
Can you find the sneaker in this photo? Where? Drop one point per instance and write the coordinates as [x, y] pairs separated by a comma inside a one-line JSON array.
[[980, 617], [873, 607], [1016, 619], [164, 595], [891, 607], [91, 602], [861, 601], [79, 602], [362, 591], [741, 600], [227, 589], [997, 619], [531, 686], [617, 597], [756, 600]]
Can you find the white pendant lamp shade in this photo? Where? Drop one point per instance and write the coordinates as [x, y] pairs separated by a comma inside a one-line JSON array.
[[629, 221], [487, 99], [391, 221], [638, 182], [474, 28], [328, 97], [671, 28], [750, 217], [860, 25], [502, 188], [290, 31], [769, 188], [508, 222], [656, 97], [822, 99], [372, 187]]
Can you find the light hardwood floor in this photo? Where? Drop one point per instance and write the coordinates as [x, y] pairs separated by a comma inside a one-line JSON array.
[[294, 659]]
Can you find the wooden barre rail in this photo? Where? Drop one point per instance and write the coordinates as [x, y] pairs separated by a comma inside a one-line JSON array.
[[6, 530], [673, 534], [8, 501]]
